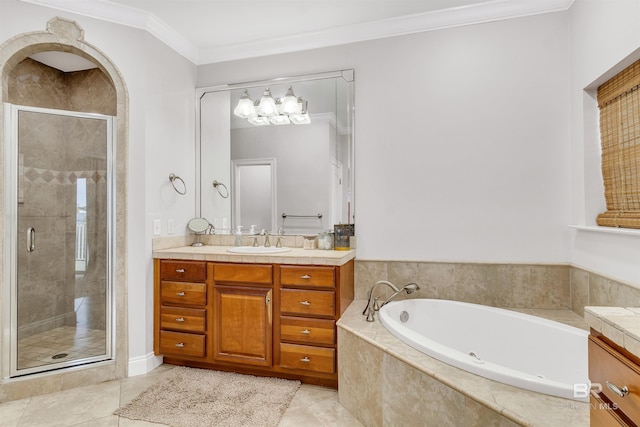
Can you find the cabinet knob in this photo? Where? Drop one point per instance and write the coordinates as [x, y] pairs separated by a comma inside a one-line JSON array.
[[305, 332], [180, 294], [180, 319], [306, 276], [180, 270], [305, 302], [180, 345], [620, 392], [305, 359]]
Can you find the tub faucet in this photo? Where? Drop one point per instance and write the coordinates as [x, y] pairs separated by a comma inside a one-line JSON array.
[[372, 300]]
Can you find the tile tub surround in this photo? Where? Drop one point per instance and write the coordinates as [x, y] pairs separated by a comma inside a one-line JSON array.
[[382, 381], [536, 286]]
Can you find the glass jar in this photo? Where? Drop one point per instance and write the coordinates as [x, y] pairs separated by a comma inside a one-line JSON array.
[[342, 237], [325, 240]]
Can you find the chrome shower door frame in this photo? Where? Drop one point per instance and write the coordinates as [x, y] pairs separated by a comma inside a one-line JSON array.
[[9, 355]]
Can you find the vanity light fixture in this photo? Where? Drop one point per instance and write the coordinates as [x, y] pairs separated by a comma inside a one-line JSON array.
[[290, 104], [279, 120], [245, 107], [301, 118], [267, 105], [267, 110], [258, 121]]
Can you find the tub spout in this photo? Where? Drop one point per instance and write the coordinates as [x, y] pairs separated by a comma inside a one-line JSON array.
[[372, 300]]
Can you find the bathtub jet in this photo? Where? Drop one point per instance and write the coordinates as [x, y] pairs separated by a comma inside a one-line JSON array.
[[509, 347]]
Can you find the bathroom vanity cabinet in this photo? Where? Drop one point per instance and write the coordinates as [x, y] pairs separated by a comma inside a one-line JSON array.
[[181, 309], [616, 400], [271, 319], [242, 312]]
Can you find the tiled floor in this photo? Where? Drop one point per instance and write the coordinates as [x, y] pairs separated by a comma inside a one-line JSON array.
[[60, 345], [93, 406]]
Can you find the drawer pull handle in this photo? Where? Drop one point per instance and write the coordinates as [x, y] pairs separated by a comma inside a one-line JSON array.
[[305, 302], [180, 319], [180, 345], [305, 359], [305, 332], [180, 294], [180, 270], [620, 392], [306, 277]]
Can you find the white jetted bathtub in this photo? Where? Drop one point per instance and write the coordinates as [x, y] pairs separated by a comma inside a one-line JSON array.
[[513, 348]]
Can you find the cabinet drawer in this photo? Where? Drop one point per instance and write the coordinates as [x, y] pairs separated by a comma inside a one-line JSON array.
[[322, 277], [183, 319], [180, 343], [607, 365], [601, 414], [298, 301], [303, 330], [187, 271], [183, 293], [243, 273], [308, 358]]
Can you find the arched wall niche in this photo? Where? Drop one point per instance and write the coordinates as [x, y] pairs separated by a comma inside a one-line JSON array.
[[67, 36]]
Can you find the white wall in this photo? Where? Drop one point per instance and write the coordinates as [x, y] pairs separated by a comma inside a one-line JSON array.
[[161, 140], [462, 138], [604, 38]]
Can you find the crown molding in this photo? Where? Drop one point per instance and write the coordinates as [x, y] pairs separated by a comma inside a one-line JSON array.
[[493, 10], [127, 16]]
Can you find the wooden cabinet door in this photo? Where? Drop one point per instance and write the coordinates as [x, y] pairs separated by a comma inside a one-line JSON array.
[[243, 325]]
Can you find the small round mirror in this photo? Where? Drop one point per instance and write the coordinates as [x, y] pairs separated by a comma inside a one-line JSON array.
[[198, 226]]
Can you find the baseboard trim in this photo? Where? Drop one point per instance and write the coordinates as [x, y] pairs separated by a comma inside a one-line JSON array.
[[141, 365]]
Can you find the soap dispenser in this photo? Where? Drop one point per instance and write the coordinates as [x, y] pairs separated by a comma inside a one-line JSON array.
[[238, 241]]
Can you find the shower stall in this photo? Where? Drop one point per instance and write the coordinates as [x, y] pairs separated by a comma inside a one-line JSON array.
[[59, 222]]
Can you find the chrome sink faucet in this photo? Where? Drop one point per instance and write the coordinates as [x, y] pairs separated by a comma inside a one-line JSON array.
[[266, 238], [372, 300]]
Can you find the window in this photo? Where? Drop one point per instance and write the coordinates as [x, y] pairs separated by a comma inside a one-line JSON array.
[[619, 104]]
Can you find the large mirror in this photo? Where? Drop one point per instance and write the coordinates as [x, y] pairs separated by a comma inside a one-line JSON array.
[[284, 167]]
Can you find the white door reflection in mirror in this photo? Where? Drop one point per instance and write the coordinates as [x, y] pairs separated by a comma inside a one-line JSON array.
[[253, 192]]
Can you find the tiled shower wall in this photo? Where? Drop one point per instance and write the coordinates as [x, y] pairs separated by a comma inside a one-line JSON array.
[[500, 285], [55, 153]]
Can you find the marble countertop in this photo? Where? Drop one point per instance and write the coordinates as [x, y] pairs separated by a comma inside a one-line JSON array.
[[294, 256], [621, 325]]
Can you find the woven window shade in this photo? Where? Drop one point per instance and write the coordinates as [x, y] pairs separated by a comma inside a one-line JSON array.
[[619, 103]]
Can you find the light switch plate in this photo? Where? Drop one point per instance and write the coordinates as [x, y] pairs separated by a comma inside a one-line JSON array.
[[171, 226], [156, 227]]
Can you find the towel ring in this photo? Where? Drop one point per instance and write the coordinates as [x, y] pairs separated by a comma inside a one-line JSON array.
[[173, 178], [217, 185]]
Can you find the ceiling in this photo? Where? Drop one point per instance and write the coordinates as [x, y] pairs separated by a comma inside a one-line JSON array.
[[206, 31]]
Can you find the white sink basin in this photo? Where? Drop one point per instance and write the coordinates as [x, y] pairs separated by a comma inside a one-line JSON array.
[[257, 250]]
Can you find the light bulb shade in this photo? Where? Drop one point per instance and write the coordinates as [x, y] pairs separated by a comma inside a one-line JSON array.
[[267, 105], [258, 121], [290, 103], [300, 119], [279, 120], [245, 107]]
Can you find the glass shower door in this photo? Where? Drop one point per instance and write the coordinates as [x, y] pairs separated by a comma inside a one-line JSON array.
[[61, 293]]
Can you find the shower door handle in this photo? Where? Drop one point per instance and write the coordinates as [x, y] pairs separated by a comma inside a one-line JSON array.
[[31, 239]]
